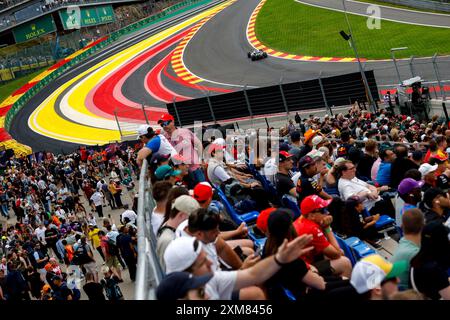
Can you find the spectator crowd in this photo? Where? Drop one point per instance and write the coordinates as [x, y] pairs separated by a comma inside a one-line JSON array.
[[232, 223], [275, 227], [56, 242]]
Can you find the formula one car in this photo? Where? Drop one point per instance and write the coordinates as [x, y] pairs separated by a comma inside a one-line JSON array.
[[256, 54]]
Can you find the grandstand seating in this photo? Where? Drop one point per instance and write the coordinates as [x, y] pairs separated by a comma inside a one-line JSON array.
[[234, 215], [288, 203]]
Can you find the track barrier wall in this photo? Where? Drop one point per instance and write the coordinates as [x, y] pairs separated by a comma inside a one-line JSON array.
[[321, 93]]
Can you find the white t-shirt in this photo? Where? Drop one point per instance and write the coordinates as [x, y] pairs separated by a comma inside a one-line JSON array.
[[97, 198], [60, 213], [130, 214], [210, 248], [157, 219], [295, 177], [40, 234], [348, 188], [221, 285], [270, 169], [179, 232]]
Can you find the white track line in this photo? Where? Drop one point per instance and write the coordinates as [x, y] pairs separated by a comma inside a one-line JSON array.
[[367, 15], [401, 9]]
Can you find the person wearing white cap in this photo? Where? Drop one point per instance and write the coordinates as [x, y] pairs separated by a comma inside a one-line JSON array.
[[143, 134], [374, 278], [317, 141], [181, 209], [428, 175], [187, 254], [153, 144]]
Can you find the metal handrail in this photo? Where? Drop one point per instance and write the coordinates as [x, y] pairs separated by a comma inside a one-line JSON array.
[[149, 272]]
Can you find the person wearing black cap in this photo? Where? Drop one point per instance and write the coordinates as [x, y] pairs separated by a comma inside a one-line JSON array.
[[284, 184], [429, 267], [436, 204], [307, 185], [295, 276], [183, 286]]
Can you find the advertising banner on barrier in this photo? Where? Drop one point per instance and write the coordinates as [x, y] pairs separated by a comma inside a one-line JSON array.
[[74, 18], [34, 29]]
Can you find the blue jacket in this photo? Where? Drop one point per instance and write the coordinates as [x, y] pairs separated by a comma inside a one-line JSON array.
[[384, 173]]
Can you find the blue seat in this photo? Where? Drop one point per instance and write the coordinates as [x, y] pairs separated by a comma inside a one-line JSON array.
[[352, 241], [266, 184], [359, 248], [347, 249], [234, 215], [258, 239], [362, 250], [384, 221], [332, 191], [287, 202]]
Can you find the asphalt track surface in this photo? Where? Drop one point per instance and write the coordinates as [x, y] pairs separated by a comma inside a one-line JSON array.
[[225, 61], [24, 134], [78, 108]]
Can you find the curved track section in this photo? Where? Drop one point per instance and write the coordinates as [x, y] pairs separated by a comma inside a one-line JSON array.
[[80, 107], [182, 58], [231, 66]]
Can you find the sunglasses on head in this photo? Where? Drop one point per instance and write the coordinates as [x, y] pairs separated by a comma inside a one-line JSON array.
[[322, 211]]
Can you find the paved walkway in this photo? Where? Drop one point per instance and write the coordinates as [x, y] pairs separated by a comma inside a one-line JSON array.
[[127, 286]]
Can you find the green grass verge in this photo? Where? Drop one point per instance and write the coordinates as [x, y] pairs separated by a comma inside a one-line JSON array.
[[10, 87], [288, 26], [387, 4]]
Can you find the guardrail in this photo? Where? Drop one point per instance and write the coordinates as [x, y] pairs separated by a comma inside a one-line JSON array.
[[149, 273], [77, 58]]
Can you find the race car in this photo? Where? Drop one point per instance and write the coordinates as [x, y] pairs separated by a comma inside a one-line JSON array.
[[256, 54]]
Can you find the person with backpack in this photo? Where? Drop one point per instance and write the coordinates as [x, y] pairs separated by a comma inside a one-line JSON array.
[[111, 252], [110, 283], [84, 257]]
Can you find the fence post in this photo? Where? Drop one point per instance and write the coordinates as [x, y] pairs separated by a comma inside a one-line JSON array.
[[411, 66], [143, 111], [323, 93], [118, 124], [248, 103], [211, 108], [441, 87], [284, 98], [176, 111]]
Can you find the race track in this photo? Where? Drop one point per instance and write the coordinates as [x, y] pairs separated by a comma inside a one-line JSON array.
[[202, 51]]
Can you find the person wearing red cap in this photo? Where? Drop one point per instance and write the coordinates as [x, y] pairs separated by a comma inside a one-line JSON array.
[[327, 256], [185, 143]]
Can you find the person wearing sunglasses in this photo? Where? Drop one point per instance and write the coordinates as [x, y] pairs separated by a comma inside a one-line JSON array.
[[186, 144], [327, 256], [153, 144]]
